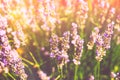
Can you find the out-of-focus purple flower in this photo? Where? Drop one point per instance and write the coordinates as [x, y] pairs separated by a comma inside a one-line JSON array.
[[74, 33], [3, 22], [16, 40], [103, 4], [112, 10]]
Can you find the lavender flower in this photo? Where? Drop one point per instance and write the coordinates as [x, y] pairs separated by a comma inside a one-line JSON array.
[[93, 38], [81, 13], [60, 53], [79, 50], [65, 41], [54, 45], [19, 67], [78, 44], [74, 33], [108, 35], [100, 52], [64, 48], [9, 57]]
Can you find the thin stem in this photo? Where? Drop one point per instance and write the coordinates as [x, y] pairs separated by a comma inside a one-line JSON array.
[[33, 58], [76, 69], [57, 77], [61, 72], [98, 71], [60, 69], [31, 63], [11, 76]]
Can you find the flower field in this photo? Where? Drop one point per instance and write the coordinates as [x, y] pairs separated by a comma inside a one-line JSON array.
[[59, 39]]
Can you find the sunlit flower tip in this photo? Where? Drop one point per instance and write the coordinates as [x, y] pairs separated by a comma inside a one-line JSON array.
[[90, 45], [5, 69]]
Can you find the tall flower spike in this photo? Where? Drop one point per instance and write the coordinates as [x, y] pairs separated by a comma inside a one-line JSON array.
[[78, 44], [79, 50], [93, 38], [108, 35], [9, 57], [74, 33], [100, 52], [63, 57], [54, 45]]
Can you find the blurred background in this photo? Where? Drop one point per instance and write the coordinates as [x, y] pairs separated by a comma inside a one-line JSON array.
[[31, 24]]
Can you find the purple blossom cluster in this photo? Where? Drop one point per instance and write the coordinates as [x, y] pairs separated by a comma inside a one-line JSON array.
[[93, 38], [100, 52], [9, 57], [54, 40], [65, 40], [78, 44], [102, 42], [61, 45], [107, 35], [60, 55]]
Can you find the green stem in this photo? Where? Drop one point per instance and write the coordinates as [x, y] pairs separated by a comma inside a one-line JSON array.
[[33, 58], [11, 76], [57, 77], [98, 65], [61, 73], [31, 63], [76, 69]]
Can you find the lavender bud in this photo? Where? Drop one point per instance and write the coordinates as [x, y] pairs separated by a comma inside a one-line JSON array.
[[93, 38], [100, 52], [108, 35]]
